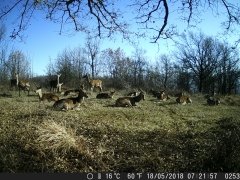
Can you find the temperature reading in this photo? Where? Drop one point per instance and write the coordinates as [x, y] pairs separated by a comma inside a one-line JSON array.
[[134, 175], [113, 176]]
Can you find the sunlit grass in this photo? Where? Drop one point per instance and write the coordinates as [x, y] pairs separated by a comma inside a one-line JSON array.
[[153, 136]]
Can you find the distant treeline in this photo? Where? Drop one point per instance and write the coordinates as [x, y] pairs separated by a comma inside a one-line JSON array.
[[199, 64]]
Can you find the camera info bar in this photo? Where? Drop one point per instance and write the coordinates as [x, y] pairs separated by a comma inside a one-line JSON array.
[[122, 176]]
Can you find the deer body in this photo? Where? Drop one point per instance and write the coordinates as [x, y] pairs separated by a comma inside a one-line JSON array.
[[22, 85], [13, 83], [46, 96], [133, 93], [55, 85], [211, 101], [71, 91], [162, 96], [129, 101], [70, 103], [105, 95], [155, 93], [183, 100], [94, 83]]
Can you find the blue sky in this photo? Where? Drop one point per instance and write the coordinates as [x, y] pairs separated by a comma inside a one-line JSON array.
[[42, 40]]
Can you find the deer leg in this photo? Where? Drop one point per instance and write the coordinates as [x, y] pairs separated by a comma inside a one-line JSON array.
[[19, 91]]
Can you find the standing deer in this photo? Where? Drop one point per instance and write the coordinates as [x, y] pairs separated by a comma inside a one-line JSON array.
[[54, 84], [13, 83], [22, 85], [94, 83], [70, 103], [59, 87]]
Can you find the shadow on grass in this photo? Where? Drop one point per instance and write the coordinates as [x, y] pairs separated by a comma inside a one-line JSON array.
[[215, 150]]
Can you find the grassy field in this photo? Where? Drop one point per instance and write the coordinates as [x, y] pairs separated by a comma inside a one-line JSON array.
[[151, 137]]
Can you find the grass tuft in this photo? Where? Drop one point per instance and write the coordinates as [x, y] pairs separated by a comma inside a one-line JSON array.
[[57, 138]]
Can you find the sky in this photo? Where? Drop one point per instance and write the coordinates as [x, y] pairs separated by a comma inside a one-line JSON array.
[[42, 41]]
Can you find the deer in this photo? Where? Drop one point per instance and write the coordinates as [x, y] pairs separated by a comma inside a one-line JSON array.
[[94, 83], [46, 96], [133, 93], [22, 85], [70, 103], [73, 91], [212, 101], [154, 93], [106, 95], [183, 99], [13, 83], [178, 94], [162, 96], [54, 84], [129, 101], [59, 87]]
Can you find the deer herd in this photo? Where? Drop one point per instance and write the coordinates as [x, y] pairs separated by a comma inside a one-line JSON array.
[[74, 97]]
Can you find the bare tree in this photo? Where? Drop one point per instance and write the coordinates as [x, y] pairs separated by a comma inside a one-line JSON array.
[[139, 64], [183, 78], [165, 67], [2, 32], [227, 72], [18, 63], [200, 55], [119, 68], [92, 50], [71, 64], [107, 17], [3, 55]]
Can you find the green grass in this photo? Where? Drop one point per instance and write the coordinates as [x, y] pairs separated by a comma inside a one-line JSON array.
[[151, 137]]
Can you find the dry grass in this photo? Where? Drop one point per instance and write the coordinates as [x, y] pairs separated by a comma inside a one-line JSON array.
[[153, 136]]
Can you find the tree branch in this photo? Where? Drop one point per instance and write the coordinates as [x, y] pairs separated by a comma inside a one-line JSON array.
[[231, 17]]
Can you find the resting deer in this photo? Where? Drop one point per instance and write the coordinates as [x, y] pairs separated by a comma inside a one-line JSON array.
[[129, 101], [179, 94], [71, 91], [183, 100], [106, 95], [162, 96], [70, 103], [154, 93], [22, 85], [46, 96], [133, 93], [211, 101], [94, 83]]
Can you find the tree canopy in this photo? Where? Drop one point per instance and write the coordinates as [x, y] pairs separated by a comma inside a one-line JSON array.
[[104, 18]]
